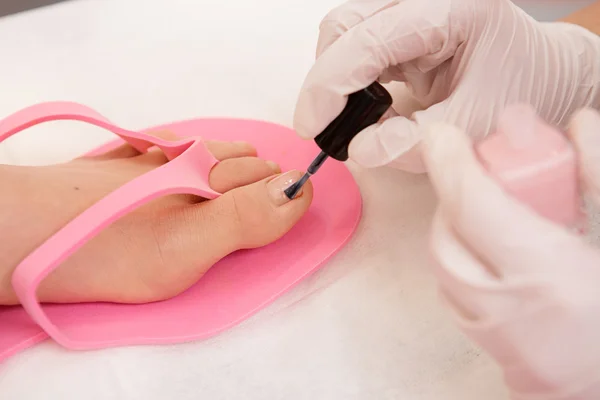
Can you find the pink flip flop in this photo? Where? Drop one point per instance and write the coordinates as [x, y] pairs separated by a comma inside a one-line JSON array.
[[235, 288]]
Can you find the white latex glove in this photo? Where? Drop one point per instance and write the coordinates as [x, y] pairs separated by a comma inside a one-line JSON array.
[[463, 60], [525, 289]]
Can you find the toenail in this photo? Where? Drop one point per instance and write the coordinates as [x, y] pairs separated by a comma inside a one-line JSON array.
[[280, 183]]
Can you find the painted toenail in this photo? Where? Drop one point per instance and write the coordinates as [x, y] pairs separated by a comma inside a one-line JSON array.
[[280, 183]]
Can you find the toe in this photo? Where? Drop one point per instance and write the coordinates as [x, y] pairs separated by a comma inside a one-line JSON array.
[[235, 172], [257, 214], [226, 150], [196, 237], [246, 217]]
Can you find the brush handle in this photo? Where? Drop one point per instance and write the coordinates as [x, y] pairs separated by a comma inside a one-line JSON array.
[[364, 108]]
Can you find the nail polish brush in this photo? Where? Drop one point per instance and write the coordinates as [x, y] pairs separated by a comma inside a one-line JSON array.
[[363, 108]]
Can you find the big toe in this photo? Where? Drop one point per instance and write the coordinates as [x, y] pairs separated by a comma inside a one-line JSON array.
[[260, 213], [246, 217], [243, 218], [265, 213]]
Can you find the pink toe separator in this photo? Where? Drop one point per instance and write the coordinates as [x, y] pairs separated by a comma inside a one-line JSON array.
[[186, 173]]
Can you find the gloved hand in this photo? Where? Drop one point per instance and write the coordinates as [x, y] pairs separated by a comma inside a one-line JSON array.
[[462, 60], [523, 288]]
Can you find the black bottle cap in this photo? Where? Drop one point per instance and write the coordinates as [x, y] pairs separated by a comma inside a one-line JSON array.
[[364, 108]]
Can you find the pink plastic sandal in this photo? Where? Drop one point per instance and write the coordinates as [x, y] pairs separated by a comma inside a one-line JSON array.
[[235, 288]]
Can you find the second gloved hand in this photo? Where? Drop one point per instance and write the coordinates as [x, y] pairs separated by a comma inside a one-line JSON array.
[[463, 61], [522, 287]]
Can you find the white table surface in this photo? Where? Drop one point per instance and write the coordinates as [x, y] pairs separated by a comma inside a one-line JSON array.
[[374, 331]]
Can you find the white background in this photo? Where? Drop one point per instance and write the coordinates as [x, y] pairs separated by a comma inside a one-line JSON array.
[[375, 330]]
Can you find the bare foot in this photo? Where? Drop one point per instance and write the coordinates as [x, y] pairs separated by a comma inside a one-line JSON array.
[[156, 251]]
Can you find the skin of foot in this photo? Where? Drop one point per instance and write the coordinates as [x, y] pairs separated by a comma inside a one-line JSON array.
[[158, 250]]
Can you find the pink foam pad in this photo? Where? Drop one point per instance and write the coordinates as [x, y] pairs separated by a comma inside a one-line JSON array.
[[235, 288]]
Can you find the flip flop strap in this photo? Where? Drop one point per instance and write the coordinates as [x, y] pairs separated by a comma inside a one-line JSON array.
[[186, 173]]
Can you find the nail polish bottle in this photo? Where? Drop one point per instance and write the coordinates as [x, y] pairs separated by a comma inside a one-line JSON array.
[[536, 164]]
